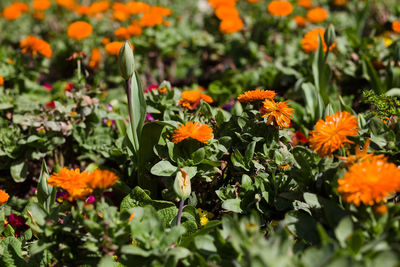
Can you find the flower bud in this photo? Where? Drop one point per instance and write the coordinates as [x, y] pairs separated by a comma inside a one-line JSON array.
[[182, 185], [330, 35], [126, 61]]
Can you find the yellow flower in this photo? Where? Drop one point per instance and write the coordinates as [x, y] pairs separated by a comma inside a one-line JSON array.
[[331, 134]]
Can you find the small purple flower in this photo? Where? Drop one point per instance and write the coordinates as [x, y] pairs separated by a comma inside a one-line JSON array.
[[108, 122], [90, 199], [61, 196], [149, 117], [109, 108]]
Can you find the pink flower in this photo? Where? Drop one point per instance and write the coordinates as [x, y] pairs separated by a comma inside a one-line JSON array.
[[48, 87], [151, 88], [90, 199]]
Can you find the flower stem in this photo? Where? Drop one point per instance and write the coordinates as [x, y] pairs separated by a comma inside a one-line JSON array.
[[131, 115], [178, 221]]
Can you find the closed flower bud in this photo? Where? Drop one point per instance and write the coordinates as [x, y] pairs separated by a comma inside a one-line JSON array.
[[182, 185], [126, 61], [330, 35]]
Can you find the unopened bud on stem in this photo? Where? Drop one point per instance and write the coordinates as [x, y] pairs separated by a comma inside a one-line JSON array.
[[330, 35], [182, 185], [126, 61]]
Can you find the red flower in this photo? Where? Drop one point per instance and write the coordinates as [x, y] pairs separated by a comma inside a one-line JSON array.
[[18, 223], [50, 105], [298, 137]]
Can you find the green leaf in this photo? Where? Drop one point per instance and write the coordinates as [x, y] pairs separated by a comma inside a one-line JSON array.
[[106, 261], [249, 153], [232, 205], [19, 171], [45, 193], [344, 230], [163, 168]]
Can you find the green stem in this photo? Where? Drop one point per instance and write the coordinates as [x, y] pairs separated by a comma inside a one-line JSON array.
[[178, 220], [130, 106], [79, 69]]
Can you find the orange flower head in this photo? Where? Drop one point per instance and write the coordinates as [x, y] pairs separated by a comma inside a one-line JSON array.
[[131, 216], [151, 18], [15, 10], [3, 197], [317, 14], [224, 12], [39, 15], [67, 4], [120, 11], [163, 90], [369, 182], [79, 30], [95, 58], [191, 99], [82, 10], [253, 1], [136, 7], [1, 80], [331, 134], [73, 181], [360, 155], [199, 131], [219, 3], [256, 95], [309, 43], [114, 47], [305, 3], [98, 7], [278, 113], [396, 26], [340, 2], [280, 8], [35, 45], [300, 21], [231, 25], [102, 179], [135, 30], [122, 33], [41, 5]]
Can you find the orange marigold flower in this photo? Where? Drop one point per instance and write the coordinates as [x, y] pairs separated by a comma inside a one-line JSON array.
[[278, 113], [369, 182], [150, 19], [135, 30], [231, 25], [67, 4], [253, 1], [360, 155], [41, 5], [164, 90], [120, 12], [219, 3], [122, 33], [331, 134], [137, 7], [15, 10], [95, 58], [98, 7], [317, 14], [340, 2], [3, 197], [101, 179], [199, 131], [300, 21], [73, 181], [114, 47], [35, 45], [79, 30], [256, 95], [39, 15], [1, 80], [82, 10], [280, 8], [305, 3], [105, 41], [190, 99], [309, 43], [381, 209], [396, 26], [225, 12]]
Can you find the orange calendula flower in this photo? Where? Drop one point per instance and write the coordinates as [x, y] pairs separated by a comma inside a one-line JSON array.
[[369, 182], [82, 10], [231, 25], [191, 99], [79, 30], [300, 21], [120, 12], [41, 5], [15, 10], [122, 33], [396, 26], [114, 47], [278, 113], [3, 197], [98, 7], [1, 80], [219, 3], [162, 90], [340, 2], [280, 8], [360, 155], [67, 4], [305, 3], [73, 181], [256, 95], [95, 58], [331, 134], [224, 12], [309, 43], [136, 7], [199, 131], [135, 29], [35, 45], [317, 14], [101, 179]]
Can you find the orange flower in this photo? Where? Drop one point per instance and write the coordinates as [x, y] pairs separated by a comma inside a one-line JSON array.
[[98, 7], [15, 10], [73, 181], [396, 26], [67, 4], [369, 182], [305, 3], [300, 21], [3, 197], [253, 1], [231, 25], [131, 216], [79, 30], [82, 10], [317, 14], [359, 156], [190, 99], [101, 179], [280, 8], [331, 134], [137, 7], [256, 95], [219, 3], [154, 16], [114, 47], [197, 130], [120, 12], [105, 41], [35, 45], [1, 80], [39, 15], [278, 113], [339, 2], [309, 43], [163, 90], [41, 5], [95, 58], [134, 29], [224, 12], [122, 33]]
